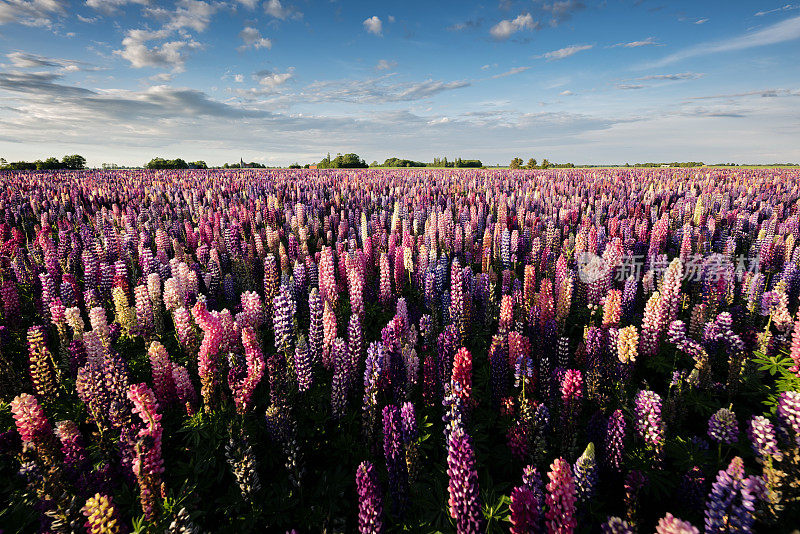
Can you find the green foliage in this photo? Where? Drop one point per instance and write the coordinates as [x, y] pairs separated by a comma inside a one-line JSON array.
[[347, 161], [161, 163], [516, 163], [73, 162]]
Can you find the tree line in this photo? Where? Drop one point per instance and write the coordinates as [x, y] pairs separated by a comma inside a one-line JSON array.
[[518, 163], [71, 162]]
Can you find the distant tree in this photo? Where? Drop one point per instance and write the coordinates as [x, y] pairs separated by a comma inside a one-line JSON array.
[[532, 163], [516, 163], [199, 164], [545, 163], [294, 166], [375, 164], [73, 162]]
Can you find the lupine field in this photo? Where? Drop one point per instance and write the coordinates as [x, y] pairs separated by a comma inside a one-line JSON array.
[[579, 350]]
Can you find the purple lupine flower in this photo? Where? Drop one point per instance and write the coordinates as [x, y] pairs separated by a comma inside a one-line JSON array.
[[615, 441], [302, 365], [284, 313], [723, 427], [788, 413], [395, 459], [692, 488], [341, 378], [635, 481], [762, 436], [316, 327], [731, 503], [524, 511], [370, 502], [464, 501]]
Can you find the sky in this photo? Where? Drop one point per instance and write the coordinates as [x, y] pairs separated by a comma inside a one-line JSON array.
[[282, 81]]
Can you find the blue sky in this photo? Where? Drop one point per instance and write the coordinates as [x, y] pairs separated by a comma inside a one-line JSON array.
[[278, 81]]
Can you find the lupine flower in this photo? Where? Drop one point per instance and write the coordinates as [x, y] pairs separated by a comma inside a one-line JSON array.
[[282, 319], [148, 464], [302, 365], [161, 367], [627, 342], [32, 425], [561, 497], [42, 367], [207, 358], [524, 511], [585, 471], [670, 524], [242, 461], [788, 413], [723, 427], [648, 419], [254, 360], [395, 459], [616, 525], [101, 516], [635, 481], [370, 503], [762, 436], [615, 441], [184, 388], [464, 501], [731, 504], [462, 373]]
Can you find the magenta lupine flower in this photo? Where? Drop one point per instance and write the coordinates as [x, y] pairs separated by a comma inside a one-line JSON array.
[[32, 425], [457, 297], [161, 368], [148, 464], [243, 388], [464, 501], [329, 333], [462, 373], [184, 327], [370, 502], [670, 524], [252, 309], [788, 413], [184, 388], [794, 352], [328, 289], [560, 499], [723, 427], [648, 418], [395, 459], [762, 436], [208, 356], [524, 511]]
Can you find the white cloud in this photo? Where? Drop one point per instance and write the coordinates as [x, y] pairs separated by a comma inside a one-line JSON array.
[[701, 21], [250, 4], [30, 12], [787, 7], [566, 93], [276, 9], [192, 14], [650, 41], [627, 86], [390, 18], [510, 72], [781, 32], [677, 76], [238, 78], [271, 80], [112, 6], [566, 52], [252, 39], [562, 10], [170, 54], [379, 90], [24, 60], [384, 64], [374, 25], [506, 28]]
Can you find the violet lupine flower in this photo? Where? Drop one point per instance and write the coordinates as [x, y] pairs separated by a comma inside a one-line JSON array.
[[561, 496], [355, 345], [788, 413], [302, 365], [585, 471], [731, 503], [271, 281], [723, 427], [370, 502], [148, 464], [762, 437], [648, 419], [395, 459], [464, 501], [161, 368], [316, 328], [341, 378], [670, 524], [71, 446], [283, 315], [101, 516], [372, 373]]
